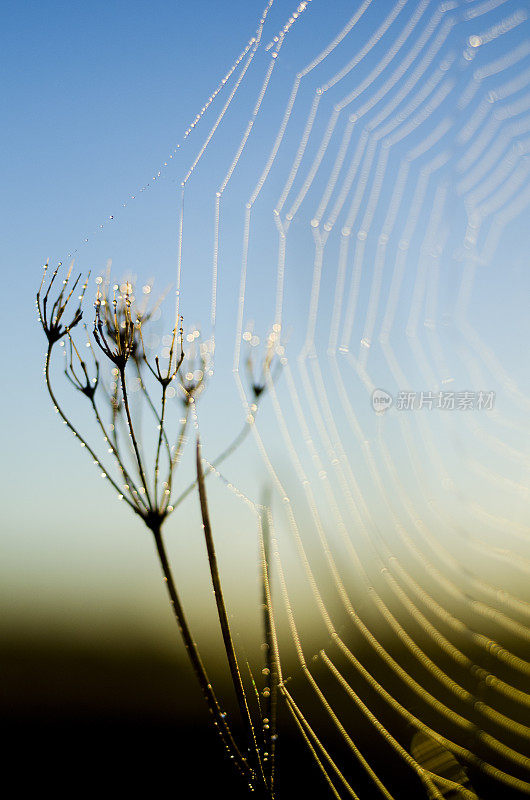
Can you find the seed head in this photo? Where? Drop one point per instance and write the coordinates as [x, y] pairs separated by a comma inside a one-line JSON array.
[[51, 319]]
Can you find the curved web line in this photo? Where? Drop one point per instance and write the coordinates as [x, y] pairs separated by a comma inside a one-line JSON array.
[[494, 187], [383, 130]]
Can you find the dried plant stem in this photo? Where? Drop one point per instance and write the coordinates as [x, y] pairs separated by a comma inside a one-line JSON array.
[[223, 618], [240, 438], [136, 497], [270, 699], [118, 338], [160, 437], [74, 430], [196, 661], [116, 418], [153, 408], [173, 461], [133, 437]]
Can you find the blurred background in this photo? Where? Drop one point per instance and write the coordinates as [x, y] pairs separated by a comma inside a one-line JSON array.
[[352, 178]]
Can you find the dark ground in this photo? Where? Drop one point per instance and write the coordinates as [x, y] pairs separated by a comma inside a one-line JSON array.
[[80, 721]]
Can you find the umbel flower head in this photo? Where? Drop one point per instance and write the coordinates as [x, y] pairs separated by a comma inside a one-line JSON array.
[[196, 367], [77, 372], [257, 377], [51, 319], [119, 324], [118, 336], [175, 359], [114, 315]]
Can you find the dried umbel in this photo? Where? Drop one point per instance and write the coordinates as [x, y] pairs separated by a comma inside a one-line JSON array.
[[77, 372], [51, 319], [120, 325], [117, 344]]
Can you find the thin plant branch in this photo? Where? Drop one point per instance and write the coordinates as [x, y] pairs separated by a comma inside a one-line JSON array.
[[133, 438], [270, 670], [76, 433], [195, 658], [223, 616]]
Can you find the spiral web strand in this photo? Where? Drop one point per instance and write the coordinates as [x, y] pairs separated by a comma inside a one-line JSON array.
[[376, 186], [416, 111]]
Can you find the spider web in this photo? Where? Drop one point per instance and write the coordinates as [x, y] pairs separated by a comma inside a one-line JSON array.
[[371, 187]]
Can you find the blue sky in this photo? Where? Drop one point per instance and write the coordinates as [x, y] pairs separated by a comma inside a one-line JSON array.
[[96, 98]]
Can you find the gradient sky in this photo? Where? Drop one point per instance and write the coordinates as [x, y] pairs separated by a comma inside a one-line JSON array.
[[96, 98]]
